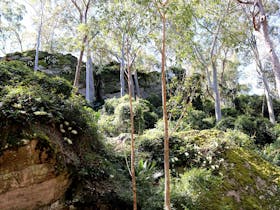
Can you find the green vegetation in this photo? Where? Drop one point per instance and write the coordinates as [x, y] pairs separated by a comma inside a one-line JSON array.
[[207, 161]]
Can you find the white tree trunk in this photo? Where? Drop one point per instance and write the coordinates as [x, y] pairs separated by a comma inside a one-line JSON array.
[[122, 68], [218, 112], [261, 72], [36, 62], [268, 99], [90, 91], [270, 47]]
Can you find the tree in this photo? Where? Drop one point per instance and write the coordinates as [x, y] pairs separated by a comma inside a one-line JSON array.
[[216, 36], [83, 9], [132, 167], [260, 23], [130, 29], [161, 6], [11, 16], [36, 64], [90, 91], [261, 72]]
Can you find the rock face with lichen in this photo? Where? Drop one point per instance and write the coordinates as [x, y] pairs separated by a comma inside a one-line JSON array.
[[28, 178], [107, 78]]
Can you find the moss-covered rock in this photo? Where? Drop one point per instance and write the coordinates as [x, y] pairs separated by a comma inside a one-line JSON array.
[[212, 164]]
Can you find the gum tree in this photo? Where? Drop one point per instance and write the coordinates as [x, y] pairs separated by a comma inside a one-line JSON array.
[[260, 24]]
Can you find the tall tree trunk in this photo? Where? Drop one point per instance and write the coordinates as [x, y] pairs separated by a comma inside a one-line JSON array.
[[90, 92], [136, 82], [218, 112], [268, 99], [36, 62], [79, 64], [132, 168], [122, 67], [269, 46], [261, 16], [167, 205], [261, 72], [18, 39]]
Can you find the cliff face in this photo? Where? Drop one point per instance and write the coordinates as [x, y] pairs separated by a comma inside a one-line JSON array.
[[28, 178], [107, 77]]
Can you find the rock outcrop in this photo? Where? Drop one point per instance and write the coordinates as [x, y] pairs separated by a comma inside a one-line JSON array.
[[107, 77], [29, 179]]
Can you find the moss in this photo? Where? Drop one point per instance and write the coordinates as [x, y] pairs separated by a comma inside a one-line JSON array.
[[251, 178]]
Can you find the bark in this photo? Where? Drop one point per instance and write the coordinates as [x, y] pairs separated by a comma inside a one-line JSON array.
[[268, 99], [260, 71], [218, 112], [269, 46], [122, 67], [167, 205], [79, 65], [90, 92], [260, 22], [132, 168], [82, 19]]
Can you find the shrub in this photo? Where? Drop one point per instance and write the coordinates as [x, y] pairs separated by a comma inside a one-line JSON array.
[[260, 128], [229, 112], [155, 100], [271, 152], [144, 115], [226, 123], [249, 105], [198, 120], [192, 187], [246, 124]]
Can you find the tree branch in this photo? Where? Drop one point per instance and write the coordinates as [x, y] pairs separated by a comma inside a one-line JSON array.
[[246, 2], [79, 9]]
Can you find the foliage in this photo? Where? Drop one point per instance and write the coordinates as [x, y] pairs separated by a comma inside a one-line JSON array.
[[229, 112], [257, 127], [226, 123], [147, 185], [271, 152], [116, 116], [198, 120], [248, 105], [192, 187]]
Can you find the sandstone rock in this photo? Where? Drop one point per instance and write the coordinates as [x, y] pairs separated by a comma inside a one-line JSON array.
[[28, 179]]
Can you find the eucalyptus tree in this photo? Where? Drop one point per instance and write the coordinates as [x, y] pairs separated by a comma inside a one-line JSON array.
[[38, 42], [11, 16], [216, 37], [129, 35], [82, 10], [261, 72], [260, 24], [54, 25], [162, 7]]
